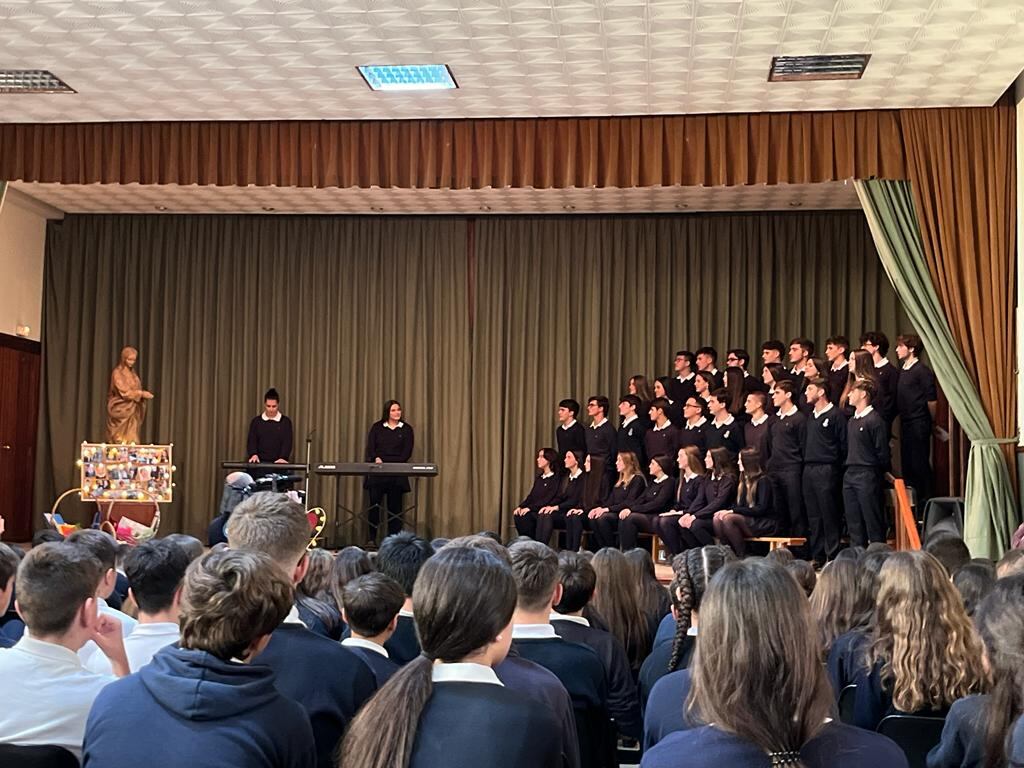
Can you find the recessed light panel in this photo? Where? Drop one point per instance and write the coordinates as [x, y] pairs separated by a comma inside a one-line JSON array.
[[408, 77], [839, 67], [31, 81]]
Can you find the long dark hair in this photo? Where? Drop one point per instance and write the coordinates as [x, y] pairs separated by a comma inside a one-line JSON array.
[[387, 409], [865, 369], [314, 592], [651, 595], [722, 462], [644, 389], [1001, 623], [843, 599], [752, 474], [616, 599], [693, 570], [551, 457], [464, 598], [734, 386], [757, 671], [778, 372]]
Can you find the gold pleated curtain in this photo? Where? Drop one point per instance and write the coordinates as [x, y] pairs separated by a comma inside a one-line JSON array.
[[479, 327]]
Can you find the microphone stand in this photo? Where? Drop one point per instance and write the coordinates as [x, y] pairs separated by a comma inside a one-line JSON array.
[[309, 447]]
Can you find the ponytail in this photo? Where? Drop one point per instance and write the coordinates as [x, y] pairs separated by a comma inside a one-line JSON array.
[[383, 733], [681, 593]]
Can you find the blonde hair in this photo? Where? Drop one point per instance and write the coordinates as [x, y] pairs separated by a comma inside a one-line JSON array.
[[929, 651], [231, 598], [632, 468], [273, 524]]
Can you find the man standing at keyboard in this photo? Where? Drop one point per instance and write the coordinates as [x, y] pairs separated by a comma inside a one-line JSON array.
[[270, 433], [390, 441]]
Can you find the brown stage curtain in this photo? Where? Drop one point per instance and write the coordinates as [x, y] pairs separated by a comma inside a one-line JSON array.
[[338, 314], [342, 313], [691, 150], [961, 165], [573, 308]]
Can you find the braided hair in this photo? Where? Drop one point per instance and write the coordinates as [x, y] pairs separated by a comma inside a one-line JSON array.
[[693, 570]]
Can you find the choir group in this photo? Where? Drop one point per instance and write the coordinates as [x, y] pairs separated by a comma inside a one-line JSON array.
[[710, 454]]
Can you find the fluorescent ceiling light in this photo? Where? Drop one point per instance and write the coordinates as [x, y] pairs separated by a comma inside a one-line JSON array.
[[408, 77], [837, 67], [31, 81]]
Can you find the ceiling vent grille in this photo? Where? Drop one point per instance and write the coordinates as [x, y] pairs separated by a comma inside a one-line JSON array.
[[838, 67], [31, 81]]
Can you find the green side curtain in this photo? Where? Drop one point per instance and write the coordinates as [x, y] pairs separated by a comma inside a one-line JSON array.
[[990, 512], [478, 327]]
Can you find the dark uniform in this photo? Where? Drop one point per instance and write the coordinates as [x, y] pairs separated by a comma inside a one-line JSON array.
[[824, 453]]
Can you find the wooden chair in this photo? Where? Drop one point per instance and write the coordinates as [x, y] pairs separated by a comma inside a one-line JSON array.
[[777, 542]]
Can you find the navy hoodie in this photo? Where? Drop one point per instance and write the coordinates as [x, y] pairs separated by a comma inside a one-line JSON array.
[[188, 708]]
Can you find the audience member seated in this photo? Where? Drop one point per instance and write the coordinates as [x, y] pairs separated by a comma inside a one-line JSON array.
[[752, 512], [1010, 564], [923, 652], [9, 561], [693, 571], [578, 580], [803, 572], [535, 568], [103, 547], [717, 494], [313, 597], [155, 570], [950, 551], [47, 692], [842, 604], [370, 605], [643, 515], [329, 681], [236, 490], [616, 600], [204, 703], [758, 681], [977, 727], [448, 707], [654, 600], [532, 680], [401, 556], [349, 563], [193, 547], [974, 581]]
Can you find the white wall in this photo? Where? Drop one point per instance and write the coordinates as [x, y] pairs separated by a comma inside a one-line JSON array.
[[22, 246]]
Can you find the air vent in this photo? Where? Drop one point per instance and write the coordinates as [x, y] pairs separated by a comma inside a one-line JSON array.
[[32, 81], [408, 77], [840, 67]]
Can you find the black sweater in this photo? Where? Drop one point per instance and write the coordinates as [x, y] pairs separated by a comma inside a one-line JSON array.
[[837, 383], [656, 498], [762, 502], [885, 400], [679, 391], [787, 436], [825, 438], [867, 440], [601, 442], [696, 436], [728, 436], [624, 496], [687, 492], [759, 437], [544, 492], [662, 442], [390, 446], [270, 440], [716, 494], [914, 390], [630, 439], [571, 494], [572, 439]]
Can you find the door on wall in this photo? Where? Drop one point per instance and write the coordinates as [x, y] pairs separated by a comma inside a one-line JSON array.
[[19, 410]]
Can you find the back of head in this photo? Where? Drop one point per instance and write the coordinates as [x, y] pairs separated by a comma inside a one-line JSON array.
[[273, 524], [617, 600], [317, 581], [9, 561], [53, 583], [155, 570], [486, 543], [401, 556], [230, 599], [804, 574], [692, 571], [974, 581], [371, 602], [949, 550], [535, 568], [650, 591], [757, 671], [44, 535], [843, 599], [578, 580], [100, 545], [349, 563], [929, 651], [1000, 620], [464, 599], [1010, 564], [782, 556], [193, 547]]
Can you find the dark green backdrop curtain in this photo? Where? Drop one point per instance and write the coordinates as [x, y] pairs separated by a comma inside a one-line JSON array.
[[478, 327]]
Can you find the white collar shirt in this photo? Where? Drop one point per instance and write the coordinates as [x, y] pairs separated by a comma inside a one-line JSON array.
[[358, 642], [140, 646], [463, 672]]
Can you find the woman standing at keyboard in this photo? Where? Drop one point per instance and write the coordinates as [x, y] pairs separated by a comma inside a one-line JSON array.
[[390, 441]]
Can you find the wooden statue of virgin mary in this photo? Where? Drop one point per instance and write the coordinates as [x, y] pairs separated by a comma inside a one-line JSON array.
[[126, 400]]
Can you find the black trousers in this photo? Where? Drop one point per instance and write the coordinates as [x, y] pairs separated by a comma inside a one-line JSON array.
[[915, 457], [824, 510], [393, 492], [788, 496], [575, 525], [546, 525], [526, 525], [862, 498], [637, 522], [671, 534], [604, 528]]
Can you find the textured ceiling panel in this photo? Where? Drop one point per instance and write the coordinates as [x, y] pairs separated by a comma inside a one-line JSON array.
[[291, 59], [172, 198]]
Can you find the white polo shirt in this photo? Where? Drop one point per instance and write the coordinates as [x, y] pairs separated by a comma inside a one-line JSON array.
[[47, 695], [140, 646]]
